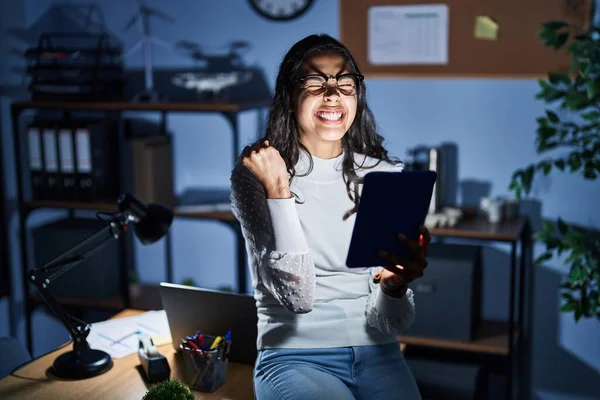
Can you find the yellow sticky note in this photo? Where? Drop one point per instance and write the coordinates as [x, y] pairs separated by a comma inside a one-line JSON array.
[[486, 28], [160, 340]]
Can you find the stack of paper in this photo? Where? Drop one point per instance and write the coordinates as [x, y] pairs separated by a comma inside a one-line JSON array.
[[119, 337]]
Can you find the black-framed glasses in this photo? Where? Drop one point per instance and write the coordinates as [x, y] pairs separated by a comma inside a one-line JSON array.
[[316, 84]]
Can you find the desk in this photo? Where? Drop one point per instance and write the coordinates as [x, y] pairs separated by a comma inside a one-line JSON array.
[[498, 345], [123, 381]]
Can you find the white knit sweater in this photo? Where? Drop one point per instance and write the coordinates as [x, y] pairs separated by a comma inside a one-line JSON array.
[[305, 295]]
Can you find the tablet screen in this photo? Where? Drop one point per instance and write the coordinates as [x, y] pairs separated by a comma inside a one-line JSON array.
[[390, 203]]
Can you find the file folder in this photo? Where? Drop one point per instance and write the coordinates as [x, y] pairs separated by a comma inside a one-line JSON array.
[[50, 149], [83, 165], [97, 166], [67, 164], [36, 164]]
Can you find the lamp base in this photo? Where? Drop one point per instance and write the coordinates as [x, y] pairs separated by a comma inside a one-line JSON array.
[[82, 364]]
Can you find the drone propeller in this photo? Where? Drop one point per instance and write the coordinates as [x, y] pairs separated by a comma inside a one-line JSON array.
[[187, 45], [156, 13], [131, 22]]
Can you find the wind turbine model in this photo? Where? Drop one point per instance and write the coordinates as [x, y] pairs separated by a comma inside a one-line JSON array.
[[142, 18]]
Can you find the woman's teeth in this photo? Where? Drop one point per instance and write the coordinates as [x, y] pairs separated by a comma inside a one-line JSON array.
[[330, 116]]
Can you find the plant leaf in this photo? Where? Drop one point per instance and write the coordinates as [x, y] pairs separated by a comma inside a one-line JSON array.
[[562, 226], [527, 178], [574, 163], [554, 25], [544, 257], [559, 78], [593, 88], [570, 305], [591, 116], [567, 296], [548, 226], [552, 243], [560, 40], [552, 116], [575, 273]]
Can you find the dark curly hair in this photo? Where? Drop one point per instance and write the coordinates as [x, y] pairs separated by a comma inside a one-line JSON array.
[[282, 131]]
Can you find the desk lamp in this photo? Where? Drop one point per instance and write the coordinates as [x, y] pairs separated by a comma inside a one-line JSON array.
[[151, 222]]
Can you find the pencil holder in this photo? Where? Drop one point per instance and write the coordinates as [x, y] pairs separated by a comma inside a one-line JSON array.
[[206, 370]]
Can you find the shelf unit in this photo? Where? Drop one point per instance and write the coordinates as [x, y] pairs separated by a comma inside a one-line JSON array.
[[498, 345], [25, 206]]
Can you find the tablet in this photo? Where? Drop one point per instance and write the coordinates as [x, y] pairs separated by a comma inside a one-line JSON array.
[[390, 203]]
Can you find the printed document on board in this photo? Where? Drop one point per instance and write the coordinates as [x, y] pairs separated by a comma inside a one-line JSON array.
[[413, 34]]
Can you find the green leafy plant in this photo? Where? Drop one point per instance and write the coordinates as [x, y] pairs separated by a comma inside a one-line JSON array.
[[169, 390], [225, 288], [573, 146], [188, 282]]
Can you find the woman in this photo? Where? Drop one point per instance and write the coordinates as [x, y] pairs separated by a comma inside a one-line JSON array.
[[324, 330]]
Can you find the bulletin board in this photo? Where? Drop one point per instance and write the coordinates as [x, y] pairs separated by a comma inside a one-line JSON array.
[[514, 52]]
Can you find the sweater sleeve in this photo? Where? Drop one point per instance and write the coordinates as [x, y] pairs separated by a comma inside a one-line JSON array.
[[275, 241], [389, 314]]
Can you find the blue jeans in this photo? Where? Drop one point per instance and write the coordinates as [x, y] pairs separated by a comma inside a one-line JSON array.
[[363, 372]]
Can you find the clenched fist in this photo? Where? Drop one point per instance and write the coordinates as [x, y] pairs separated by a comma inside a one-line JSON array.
[[268, 166]]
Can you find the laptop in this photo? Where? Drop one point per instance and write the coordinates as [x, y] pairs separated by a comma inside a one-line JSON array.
[[212, 312]]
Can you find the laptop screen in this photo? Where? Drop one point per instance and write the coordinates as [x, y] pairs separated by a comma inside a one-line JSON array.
[[190, 309]]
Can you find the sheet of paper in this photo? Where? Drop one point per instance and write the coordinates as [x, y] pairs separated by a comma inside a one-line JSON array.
[[413, 34], [119, 337], [486, 28]]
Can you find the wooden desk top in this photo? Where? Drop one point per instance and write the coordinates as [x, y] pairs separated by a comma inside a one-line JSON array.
[[479, 229], [123, 381]]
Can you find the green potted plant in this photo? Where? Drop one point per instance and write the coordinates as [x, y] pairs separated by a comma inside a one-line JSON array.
[[571, 145], [225, 288], [169, 390], [188, 281]]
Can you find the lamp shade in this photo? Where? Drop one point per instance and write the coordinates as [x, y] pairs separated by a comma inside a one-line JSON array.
[[152, 221], [154, 225]]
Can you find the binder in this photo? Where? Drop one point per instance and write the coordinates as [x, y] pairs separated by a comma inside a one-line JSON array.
[[67, 163], [50, 150], [96, 154], [36, 162], [83, 165]]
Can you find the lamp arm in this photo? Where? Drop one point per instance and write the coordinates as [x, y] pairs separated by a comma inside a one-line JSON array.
[[43, 276]]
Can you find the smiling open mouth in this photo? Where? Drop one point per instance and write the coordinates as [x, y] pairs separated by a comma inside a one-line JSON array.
[[330, 117]]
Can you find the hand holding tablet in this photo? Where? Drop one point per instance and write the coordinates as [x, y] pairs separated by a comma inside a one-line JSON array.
[[392, 204]]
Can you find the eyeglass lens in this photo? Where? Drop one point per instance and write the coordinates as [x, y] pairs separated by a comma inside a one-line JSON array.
[[316, 85]]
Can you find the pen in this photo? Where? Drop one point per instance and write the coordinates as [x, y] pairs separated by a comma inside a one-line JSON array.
[[216, 342], [189, 349], [192, 344]]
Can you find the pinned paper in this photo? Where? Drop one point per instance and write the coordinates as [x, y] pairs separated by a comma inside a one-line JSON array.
[[408, 34], [486, 28]]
